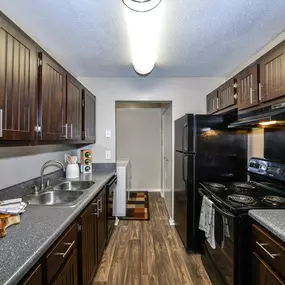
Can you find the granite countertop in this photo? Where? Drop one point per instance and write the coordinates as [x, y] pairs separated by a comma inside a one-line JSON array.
[[40, 227], [272, 220]]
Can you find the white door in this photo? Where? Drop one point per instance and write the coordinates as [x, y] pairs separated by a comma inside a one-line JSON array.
[[166, 157]]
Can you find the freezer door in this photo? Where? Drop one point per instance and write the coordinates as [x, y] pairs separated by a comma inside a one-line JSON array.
[[184, 134]]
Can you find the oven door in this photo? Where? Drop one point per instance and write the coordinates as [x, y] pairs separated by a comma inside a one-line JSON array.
[[223, 255]]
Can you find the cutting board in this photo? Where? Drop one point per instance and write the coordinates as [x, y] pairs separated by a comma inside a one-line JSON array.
[[6, 221]]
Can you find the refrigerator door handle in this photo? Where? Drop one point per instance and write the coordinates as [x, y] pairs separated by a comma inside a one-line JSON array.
[[183, 134], [183, 168]]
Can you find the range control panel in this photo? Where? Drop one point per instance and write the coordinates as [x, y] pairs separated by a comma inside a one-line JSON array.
[[267, 168]]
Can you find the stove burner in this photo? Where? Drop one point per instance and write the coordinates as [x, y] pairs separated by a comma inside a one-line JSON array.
[[274, 200], [217, 186], [242, 188], [243, 199]]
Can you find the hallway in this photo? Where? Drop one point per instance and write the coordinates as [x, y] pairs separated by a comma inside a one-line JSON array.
[[149, 253]]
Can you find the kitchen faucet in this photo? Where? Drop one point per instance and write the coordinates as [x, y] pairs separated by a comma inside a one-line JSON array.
[[47, 164]]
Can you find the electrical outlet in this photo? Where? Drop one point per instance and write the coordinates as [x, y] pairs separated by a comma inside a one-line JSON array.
[[107, 154], [108, 134]]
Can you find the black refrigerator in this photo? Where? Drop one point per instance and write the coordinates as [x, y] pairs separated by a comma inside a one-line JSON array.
[[205, 150]]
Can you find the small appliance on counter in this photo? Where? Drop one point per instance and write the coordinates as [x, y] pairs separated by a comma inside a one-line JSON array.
[[228, 263], [86, 161]]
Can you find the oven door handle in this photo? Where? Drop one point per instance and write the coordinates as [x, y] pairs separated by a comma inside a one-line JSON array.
[[223, 212], [201, 192]]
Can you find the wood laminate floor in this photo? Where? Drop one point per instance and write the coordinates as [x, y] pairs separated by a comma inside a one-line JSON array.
[[149, 253]]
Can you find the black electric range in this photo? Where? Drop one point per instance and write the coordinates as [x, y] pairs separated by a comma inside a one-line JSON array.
[[229, 262]]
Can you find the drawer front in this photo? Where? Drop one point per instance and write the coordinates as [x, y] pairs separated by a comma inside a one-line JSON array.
[[271, 250], [61, 251]]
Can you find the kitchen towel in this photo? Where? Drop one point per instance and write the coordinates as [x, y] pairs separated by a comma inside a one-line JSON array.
[[13, 206], [207, 221]]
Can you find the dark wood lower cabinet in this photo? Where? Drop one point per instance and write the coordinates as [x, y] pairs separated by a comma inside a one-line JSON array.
[[74, 258], [34, 277], [69, 273], [262, 274], [102, 222], [89, 260]]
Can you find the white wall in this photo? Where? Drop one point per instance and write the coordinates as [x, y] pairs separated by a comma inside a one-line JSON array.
[[19, 164], [139, 141], [188, 95]]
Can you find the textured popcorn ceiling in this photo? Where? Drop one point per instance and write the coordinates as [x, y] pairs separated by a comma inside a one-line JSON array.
[[198, 37]]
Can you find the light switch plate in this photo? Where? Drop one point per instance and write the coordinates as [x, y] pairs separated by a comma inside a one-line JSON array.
[[107, 154], [108, 133]]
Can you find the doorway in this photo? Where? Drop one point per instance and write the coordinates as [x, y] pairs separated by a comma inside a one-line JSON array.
[[144, 140]]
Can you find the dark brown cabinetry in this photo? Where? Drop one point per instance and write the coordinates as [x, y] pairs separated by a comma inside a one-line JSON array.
[[69, 273], [272, 74], [34, 277], [248, 87], [102, 222], [267, 258], [18, 78], [74, 109], [226, 95], [93, 223], [89, 114], [52, 99], [212, 102], [89, 253]]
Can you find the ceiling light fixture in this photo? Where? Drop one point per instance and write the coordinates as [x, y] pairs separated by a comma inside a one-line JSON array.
[[141, 5], [268, 123], [143, 24]]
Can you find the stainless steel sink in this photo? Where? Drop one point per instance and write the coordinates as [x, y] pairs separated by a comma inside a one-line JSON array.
[[54, 198], [74, 185]]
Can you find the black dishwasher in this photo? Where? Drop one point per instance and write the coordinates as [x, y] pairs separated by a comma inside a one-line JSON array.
[[111, 187]]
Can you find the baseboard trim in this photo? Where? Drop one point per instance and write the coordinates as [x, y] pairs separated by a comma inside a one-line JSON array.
[[148, 190], [171, 222]]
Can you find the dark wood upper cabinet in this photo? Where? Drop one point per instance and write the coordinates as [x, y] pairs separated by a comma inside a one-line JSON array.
[[248, 87], [89, 114], [74, 108], [34, 277], [89, 256], [18, 78], [52, 99], [226, 95], [272, 74], [102, 222], [69, 273], [212, 102]]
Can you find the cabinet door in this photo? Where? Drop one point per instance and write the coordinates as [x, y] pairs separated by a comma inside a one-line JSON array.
[[248, 88], [69, 273], [262, 274], [272, 74], [226, 96], [34, 278], [74, 109], [88, 221], [89, 116], [102, 223], [18, 78], [52, 87], [212, 102]]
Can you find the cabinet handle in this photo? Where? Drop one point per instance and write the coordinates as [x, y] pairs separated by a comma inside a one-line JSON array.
[[250, 94], [272, 255], [218, 103], [70, 245], [87, 133], [259, 91], [1, 123], [96, 213], [65, 126], [100, 206], [71, 131]]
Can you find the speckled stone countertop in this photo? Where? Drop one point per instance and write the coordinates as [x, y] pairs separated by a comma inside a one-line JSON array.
[[273, 220], [40, 226]]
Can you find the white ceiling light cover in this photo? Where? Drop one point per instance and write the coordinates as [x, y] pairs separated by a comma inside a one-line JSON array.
[[141, 5]]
